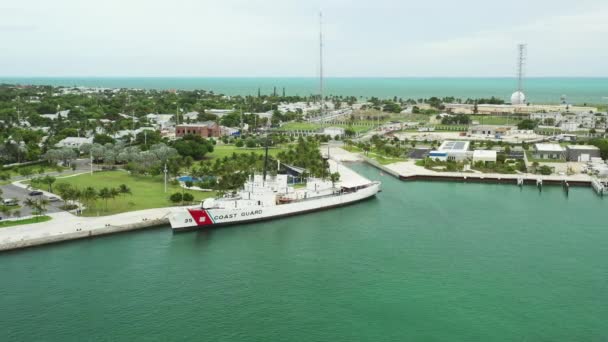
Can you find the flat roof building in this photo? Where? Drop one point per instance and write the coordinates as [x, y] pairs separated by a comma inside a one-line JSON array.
[[205, 129], [484, 156], [549, 151], [455, 150], [581, 153]]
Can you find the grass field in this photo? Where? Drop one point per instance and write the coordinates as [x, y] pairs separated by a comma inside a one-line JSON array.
[[147, 191], [298, 126], [496, 120], [221, 151], [25, 221], [382, 159]]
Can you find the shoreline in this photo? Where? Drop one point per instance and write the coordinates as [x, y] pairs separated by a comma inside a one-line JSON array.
[[408, 171], [65, 226]]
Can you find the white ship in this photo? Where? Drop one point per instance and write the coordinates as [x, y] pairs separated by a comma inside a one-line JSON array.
[[264, 199]]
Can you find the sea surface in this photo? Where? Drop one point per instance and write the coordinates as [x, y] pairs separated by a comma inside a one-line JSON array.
[[421, 262], [538, 90]]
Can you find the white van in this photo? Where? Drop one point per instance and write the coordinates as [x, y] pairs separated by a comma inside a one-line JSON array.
[[9, 202]]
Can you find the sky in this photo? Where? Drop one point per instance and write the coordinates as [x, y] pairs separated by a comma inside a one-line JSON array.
[[280, 38]]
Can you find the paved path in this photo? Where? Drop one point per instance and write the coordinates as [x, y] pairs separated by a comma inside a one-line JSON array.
[[65, 226]]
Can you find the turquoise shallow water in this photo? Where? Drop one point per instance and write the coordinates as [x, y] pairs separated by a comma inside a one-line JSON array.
[[422, 261], [539, 90]]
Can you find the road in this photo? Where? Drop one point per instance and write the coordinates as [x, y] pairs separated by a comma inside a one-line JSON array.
[[20, 194]]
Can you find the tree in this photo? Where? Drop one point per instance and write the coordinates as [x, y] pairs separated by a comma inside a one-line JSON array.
[[6, 211], [123, 189], [527, 124], [334, 177], [545, 170], [25, 172], [49, 180], [103, 139], [88, 195], [105, 193]]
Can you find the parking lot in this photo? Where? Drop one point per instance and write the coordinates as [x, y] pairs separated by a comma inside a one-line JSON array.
[[11, 191]]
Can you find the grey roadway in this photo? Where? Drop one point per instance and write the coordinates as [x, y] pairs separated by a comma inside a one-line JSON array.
[[20, 194]]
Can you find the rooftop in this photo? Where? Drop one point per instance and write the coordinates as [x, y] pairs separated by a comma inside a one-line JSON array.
[[484, 154], [582, 147], [454, 146], [549, 147]]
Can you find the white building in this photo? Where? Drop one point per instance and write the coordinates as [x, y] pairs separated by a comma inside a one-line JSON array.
[[63, 114], [484, 156], [192, 116], [162, 121], [452, 150], [333, 131], [74, 142], [549, 151]]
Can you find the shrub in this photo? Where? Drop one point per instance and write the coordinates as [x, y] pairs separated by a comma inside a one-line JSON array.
[[176, 197], [187, 197]]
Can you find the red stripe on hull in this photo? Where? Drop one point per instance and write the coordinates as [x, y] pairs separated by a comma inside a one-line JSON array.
[[200, 217]]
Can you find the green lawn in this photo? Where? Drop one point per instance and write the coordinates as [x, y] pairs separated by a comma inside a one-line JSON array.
[[382, 159], [496, 120], [26, 221], [298, 126], [221, 151], [147, 191]]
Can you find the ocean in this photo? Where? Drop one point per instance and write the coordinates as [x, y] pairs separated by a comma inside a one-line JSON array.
[[424, 261], [538, 90]]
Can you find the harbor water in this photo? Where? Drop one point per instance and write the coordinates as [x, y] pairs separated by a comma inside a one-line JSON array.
[[425, 261]]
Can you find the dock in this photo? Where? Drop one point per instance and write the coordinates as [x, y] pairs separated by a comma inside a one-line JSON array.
[[409, 171]]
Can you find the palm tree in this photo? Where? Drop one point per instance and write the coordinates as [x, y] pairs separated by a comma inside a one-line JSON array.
[[49, 180], [42, 206], [105, 194], [89, 194], [6, 211], [114, 192], [30, 203], [124, 189]]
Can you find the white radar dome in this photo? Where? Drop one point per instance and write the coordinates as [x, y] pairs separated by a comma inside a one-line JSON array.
[[518, 98]]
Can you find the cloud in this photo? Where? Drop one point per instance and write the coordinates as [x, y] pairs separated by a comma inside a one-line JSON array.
[[280, 38]]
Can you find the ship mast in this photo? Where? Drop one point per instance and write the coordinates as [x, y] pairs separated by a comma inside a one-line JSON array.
[[265, 162]]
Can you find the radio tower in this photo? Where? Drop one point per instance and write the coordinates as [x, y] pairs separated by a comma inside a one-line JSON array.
[[321, 61], [518, 98]]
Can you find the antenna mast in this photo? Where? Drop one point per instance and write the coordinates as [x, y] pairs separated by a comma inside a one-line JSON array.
[[321, 60], [520, 66]]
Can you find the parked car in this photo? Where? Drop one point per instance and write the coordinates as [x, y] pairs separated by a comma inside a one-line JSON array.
[[35, 193], [10, 202], [53, 199]]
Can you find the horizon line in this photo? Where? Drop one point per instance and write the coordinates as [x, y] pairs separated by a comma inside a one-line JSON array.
[[278, 77]]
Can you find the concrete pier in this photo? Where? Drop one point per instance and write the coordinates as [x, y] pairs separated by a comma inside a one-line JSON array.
[[65, 226]]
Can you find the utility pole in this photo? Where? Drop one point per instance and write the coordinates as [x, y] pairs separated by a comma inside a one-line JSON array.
[[91, 155], [321, 61], [165, 171]]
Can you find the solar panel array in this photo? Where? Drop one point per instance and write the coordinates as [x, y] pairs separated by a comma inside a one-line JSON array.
[[454, 145]]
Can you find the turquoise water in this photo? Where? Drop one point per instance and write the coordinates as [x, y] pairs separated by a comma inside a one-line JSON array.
[[421, 262], [539, 90]]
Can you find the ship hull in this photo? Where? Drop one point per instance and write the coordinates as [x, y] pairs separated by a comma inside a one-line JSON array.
[[196, 218]]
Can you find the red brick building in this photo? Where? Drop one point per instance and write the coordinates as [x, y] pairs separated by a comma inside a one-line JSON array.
[[205, 129]]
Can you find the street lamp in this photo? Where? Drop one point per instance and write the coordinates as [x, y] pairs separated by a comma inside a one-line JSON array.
[[165, 171]]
